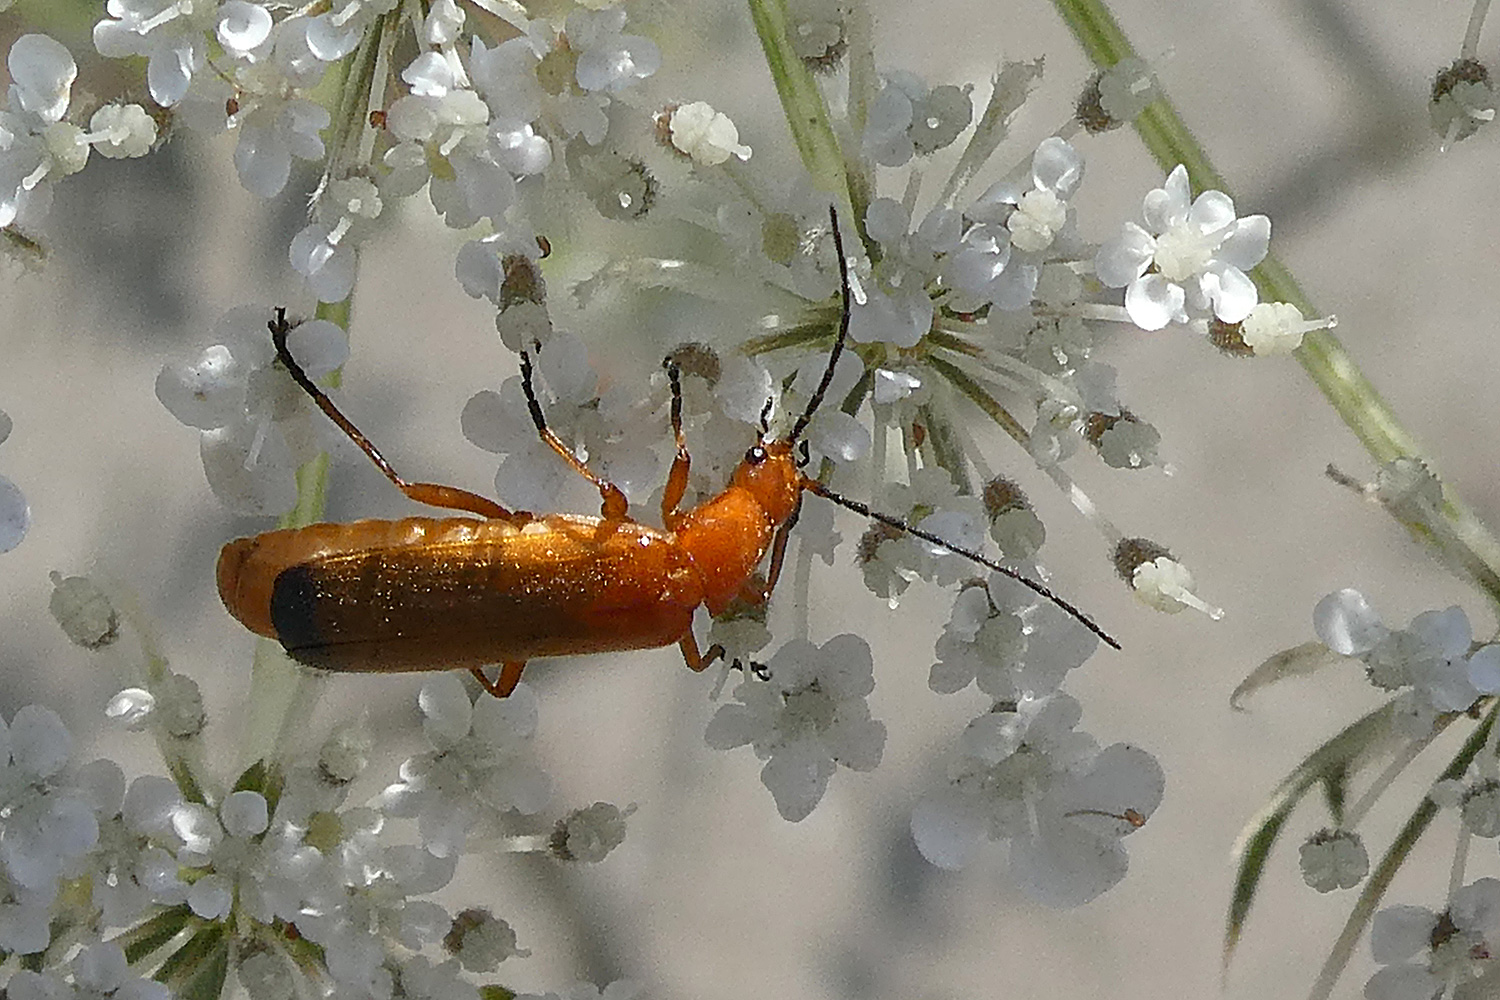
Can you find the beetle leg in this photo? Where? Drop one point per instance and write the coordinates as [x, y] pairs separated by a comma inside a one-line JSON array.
[[432, 494], [502, 686], [681, 463], [778, 549], [696, 660], [614, 506]]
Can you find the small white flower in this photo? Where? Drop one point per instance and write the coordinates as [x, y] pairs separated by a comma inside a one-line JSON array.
[[1023, 774], [1167, 585], [272, 132], [480, 761], [810, 716], [1426, 953], [1277, 328], [588, 835], [531, 475], [1190, 259], [480, 941], [99, 970], [43, 824], [907, 119], [1035, 211], [608, 60], [36, 144], [170, 35]]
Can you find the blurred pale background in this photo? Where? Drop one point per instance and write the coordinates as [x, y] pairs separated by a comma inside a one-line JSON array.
[[1315, 111]]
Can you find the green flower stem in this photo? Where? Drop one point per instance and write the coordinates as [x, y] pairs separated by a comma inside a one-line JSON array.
[[802, 102], [282, 694], [1471, 546]]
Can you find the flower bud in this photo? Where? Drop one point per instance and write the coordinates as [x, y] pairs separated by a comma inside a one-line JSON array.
[[1013, 523], [1463, 99], [589, 834], [84, 612], [1334, 859], [1123, 440], [1114, 96], [1158, 580]]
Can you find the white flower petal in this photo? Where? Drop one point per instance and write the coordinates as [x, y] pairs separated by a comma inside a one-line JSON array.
[[1152, 301]]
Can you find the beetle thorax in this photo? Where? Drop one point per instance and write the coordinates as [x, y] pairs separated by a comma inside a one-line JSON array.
[[775, 482]]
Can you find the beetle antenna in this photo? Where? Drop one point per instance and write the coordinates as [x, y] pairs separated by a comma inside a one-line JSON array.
[[895, 522], [816, 400]]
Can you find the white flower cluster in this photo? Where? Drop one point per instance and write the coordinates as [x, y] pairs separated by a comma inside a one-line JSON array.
[[1020, 774], [1433, 663], [39, 144], [283, 862], [997, 298]]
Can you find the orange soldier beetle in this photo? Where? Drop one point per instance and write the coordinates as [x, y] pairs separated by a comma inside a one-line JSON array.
[[427, 593]]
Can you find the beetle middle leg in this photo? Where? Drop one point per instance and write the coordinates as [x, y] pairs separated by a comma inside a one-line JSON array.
[[613, 506], [432, 494], [677, 479]]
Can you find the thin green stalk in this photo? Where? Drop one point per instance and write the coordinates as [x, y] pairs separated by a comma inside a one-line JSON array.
[[1321, 355], [801, 101]]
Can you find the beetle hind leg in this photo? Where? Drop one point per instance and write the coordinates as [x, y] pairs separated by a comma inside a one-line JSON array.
[[432, 494]]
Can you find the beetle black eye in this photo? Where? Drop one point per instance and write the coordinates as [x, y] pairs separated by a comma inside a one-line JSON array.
[[755, 456], [804, 454]]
